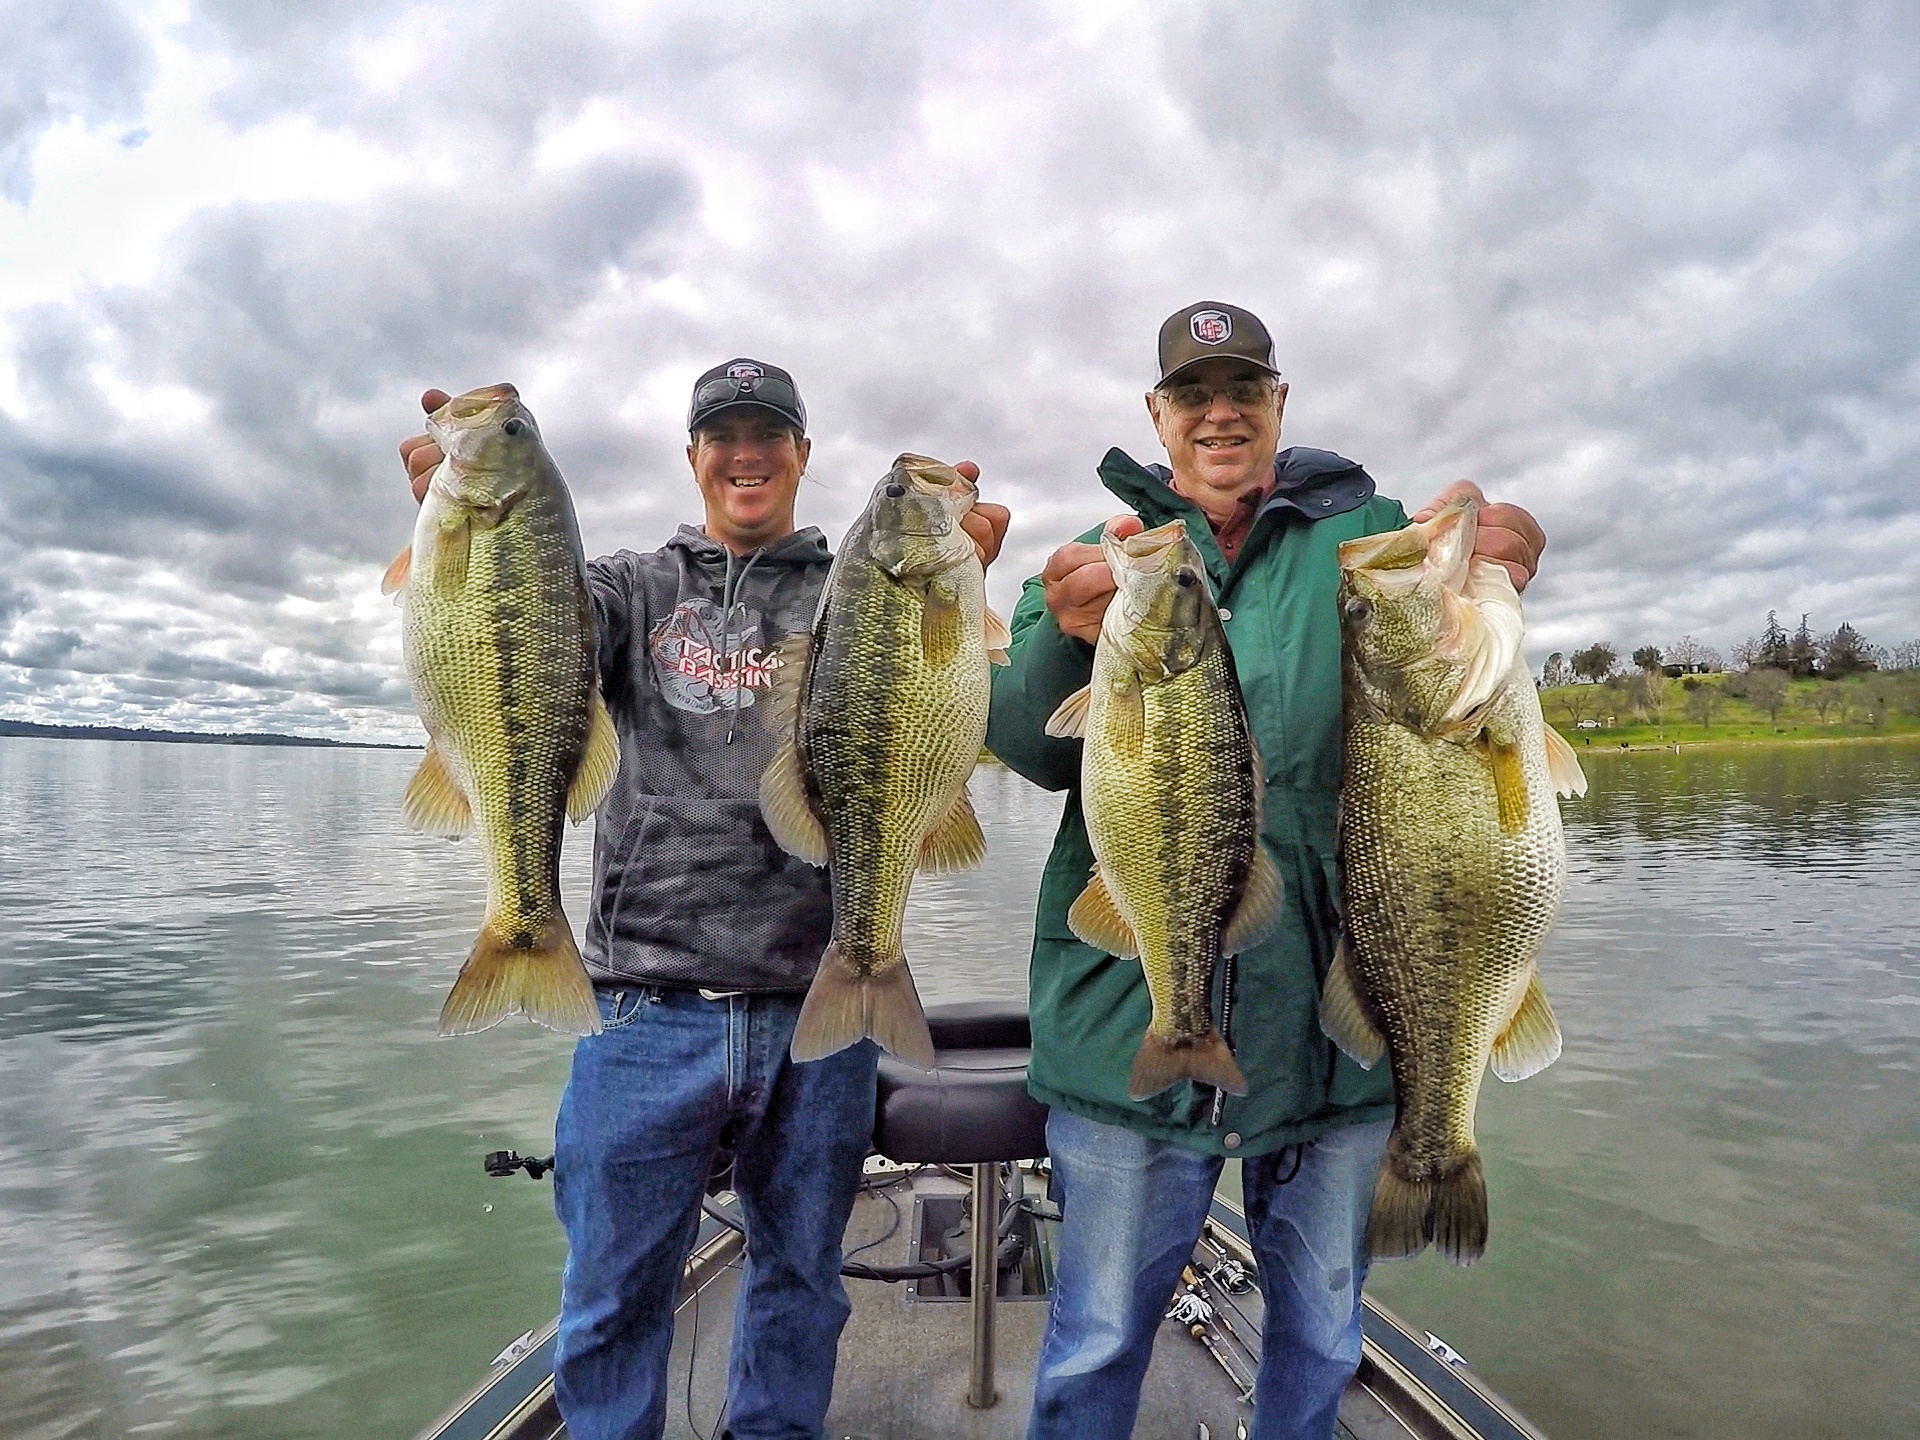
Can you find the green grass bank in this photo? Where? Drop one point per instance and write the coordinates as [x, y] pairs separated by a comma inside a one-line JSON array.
[[1727, 711]]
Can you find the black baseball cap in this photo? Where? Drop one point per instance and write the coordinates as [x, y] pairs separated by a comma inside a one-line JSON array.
[[742, 383], [1212, 330]]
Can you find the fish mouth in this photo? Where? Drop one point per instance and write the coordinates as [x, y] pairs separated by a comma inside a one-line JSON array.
[[920, 478], [1397, 559], [476, 406], [1151, 551], [931, 477]]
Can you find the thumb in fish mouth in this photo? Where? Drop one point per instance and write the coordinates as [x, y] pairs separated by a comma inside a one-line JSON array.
[[1125, 527]]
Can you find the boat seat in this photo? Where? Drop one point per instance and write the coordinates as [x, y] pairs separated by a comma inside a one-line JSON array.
[[972, 1108]]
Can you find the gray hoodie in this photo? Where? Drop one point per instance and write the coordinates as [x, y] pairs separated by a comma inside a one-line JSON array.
[[689, 889]]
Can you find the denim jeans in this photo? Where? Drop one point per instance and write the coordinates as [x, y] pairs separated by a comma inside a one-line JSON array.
[[673, 1077], [1133, 1209]]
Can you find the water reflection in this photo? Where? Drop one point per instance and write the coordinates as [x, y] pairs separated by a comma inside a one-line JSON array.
[[1703, 1215], [240, 1191]]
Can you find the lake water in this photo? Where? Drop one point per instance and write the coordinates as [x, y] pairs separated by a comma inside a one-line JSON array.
[[240, 1184]]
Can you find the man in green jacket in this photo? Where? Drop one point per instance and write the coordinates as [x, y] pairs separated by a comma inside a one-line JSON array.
[[1135, 1178]]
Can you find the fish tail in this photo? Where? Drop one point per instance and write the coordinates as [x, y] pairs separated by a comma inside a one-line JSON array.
[[1397, 1227], [1161, 1062], [1448, 1211], [1458, 1213], [844, 1006], [540, 976]]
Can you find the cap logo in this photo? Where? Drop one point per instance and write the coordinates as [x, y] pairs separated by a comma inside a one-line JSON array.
[[1211, 327], [746, 375]]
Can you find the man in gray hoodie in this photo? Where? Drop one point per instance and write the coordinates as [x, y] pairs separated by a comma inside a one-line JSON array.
[[702, 939]]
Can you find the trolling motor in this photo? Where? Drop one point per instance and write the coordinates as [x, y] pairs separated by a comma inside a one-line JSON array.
[[502, 1163]]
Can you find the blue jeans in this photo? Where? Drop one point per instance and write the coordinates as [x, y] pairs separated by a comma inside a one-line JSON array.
[[1133, 1210], [671, 1078]]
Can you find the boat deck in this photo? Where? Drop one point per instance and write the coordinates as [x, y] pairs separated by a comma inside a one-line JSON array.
[[903, 1369], [905, 1359]]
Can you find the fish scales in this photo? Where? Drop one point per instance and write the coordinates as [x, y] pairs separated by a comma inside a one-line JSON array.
[[1171, 790], [889, 737], [887, 724], [498, 640], [1453, 861], [513, 683], [1176, 819]]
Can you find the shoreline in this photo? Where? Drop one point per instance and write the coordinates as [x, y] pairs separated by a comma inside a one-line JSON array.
[[1734, 742], [123, 734]]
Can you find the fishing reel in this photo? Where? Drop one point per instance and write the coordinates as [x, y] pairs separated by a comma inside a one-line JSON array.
[[502, 1163]]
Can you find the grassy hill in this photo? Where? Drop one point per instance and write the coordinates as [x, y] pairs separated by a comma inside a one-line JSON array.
[[1634, 711]]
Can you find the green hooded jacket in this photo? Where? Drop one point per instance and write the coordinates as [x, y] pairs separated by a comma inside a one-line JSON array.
[[1090, 1010]]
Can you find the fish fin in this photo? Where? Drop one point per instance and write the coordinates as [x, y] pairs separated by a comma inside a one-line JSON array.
[[1098, 921], [939, 626], [1509, 785], [956, 842], [434, 802], [1343, 1014], [1069, 721], [1486, 628], [598, 765], [1259, 909], [395, 580], [788, 809], [1563, 766], [1457, 1211], [844, 1007], [1531, 1041], [545, 980], [1161, 1062], [787, 685], [1397, 1224], [447, 560], [999, 639]]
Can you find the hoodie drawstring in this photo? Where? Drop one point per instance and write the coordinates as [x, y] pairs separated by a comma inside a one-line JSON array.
[[727, 592]]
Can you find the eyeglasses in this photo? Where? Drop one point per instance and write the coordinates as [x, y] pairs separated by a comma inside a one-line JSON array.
[[768, 390], [1194, 397]]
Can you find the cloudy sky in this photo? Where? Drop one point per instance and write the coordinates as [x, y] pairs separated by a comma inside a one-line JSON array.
[[1647, 269]]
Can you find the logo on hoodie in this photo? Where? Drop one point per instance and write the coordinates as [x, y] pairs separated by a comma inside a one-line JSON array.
[[704, 665]]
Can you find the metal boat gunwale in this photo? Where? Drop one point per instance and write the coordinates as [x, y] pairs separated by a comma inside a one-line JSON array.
[[1397, 1368]]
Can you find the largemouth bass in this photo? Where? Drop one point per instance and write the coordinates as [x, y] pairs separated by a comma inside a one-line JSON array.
[[1171, 787], [499, 648], [1454, 863], [887, 704]]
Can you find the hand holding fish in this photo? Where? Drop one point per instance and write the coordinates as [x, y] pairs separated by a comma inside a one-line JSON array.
[[1079, 582], [1507, 533], [986, 525], [421, 454]]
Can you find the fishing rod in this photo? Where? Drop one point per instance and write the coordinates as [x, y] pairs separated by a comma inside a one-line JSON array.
[[1223, 1311], [1196, 1316]]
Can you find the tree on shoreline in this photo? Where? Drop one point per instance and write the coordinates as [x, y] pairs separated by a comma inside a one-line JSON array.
[[1596, 662], [1576, 702], [1767, 690], [1703, 703], [1845, 653], [1803, 655], [1770, 650]]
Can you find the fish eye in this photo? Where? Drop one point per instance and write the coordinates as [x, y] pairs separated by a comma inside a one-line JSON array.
[[514, 426], [1185, 578], [895, 490], [1359, 609]]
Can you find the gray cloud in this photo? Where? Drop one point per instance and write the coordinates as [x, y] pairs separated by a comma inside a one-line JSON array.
[[1641, 268], [64, 59]]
